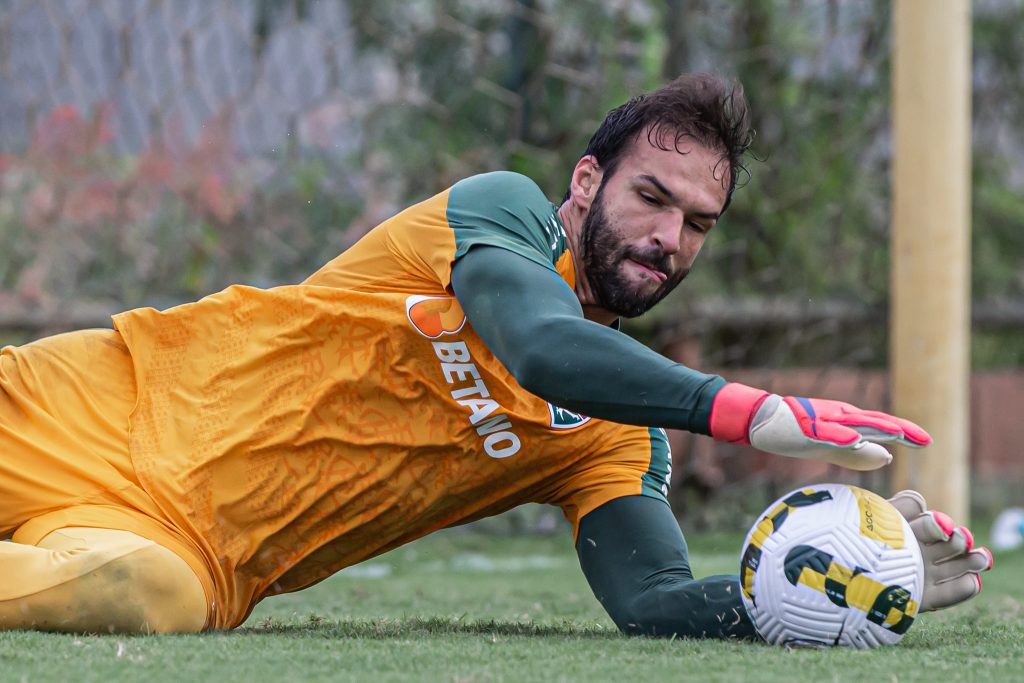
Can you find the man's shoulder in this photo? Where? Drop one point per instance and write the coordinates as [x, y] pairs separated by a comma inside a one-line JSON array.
[[500, 191], [508, 210], [507, 183]]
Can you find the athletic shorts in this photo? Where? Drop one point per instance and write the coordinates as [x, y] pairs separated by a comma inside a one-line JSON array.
[[65, 406]]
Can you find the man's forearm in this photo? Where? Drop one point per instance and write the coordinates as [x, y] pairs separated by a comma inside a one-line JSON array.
[[532, 322], [635, 559]]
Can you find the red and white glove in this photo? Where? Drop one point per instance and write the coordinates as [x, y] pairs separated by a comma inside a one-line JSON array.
[[810, 428], [951, 562]]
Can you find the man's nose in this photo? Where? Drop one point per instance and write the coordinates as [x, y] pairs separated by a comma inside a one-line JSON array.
[[667, 235]]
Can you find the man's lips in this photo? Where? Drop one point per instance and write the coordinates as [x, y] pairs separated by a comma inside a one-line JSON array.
[[652, 273]]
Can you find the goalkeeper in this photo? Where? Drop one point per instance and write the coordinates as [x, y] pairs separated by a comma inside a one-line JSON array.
[[459, 360]]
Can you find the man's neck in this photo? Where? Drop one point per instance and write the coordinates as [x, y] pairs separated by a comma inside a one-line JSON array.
[[572, 220]]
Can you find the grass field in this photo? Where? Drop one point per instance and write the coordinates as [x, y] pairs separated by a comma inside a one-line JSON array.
[[464, 606]]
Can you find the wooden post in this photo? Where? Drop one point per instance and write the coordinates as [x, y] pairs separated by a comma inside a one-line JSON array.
[[930, 324]]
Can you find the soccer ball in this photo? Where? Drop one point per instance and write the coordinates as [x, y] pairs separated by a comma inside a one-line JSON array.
[[831, 564]]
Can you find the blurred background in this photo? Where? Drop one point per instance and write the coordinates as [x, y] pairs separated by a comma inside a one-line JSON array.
[[155, 151]]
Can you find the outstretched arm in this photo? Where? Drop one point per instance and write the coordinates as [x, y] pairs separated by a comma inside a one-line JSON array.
[[532, 321], [635, 559]]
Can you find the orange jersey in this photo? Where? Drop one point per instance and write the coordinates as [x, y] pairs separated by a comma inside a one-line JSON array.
[[288, 433]]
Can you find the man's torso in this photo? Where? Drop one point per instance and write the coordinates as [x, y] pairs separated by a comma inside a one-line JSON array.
[[298, 430]]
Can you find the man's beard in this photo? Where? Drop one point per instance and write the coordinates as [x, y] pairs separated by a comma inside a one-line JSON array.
[[603, 256]]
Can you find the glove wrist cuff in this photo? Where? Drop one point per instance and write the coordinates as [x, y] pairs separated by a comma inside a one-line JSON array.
[[731, 411]]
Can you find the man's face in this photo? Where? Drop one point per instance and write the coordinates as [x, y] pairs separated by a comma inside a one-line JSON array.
[[648, 221]]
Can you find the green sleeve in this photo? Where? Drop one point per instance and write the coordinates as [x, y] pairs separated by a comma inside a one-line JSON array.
[[506, 210], [533, 323], [635, 558]]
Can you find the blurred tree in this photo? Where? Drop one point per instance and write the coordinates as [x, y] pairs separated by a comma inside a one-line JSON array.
[[516, 85]]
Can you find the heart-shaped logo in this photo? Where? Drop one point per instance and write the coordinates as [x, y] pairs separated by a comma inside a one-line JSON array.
[[433, 316]]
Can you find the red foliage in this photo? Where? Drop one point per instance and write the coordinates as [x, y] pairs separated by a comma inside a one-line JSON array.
[[66, 142], [83, 203], [77, 177], [94, 202], [206, 175]]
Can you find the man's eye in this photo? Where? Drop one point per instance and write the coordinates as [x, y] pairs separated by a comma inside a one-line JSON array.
[[650, 199], [698, 227]]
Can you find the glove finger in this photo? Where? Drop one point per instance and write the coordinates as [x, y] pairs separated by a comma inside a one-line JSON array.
[[913, 434], [968, 536], [957, 546], [832, 433], [909, 504], [953, 592], [915, 440], [870, 426], [973, 562], [910, 431], [864, 456], [980, 559], [876, 435], [932, 527], [960, 543]]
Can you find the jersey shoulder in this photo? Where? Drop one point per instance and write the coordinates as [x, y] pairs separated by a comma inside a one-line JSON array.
[[507, 210]]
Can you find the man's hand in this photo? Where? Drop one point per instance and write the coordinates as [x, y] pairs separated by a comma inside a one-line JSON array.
[[810, 428], [951, 562]]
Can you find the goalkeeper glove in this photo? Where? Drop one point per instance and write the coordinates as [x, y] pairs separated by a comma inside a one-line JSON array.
[[809, 428], [951, 562]]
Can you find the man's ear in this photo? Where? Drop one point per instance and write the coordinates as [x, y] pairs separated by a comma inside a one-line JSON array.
[[586, 178]]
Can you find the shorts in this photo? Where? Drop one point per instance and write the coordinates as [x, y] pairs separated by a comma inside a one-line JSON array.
[[65, 408]]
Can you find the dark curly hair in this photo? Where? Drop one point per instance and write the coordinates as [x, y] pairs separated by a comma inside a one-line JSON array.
[[702, 107]]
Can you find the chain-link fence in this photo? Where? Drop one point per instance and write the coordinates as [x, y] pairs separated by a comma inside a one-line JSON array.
[[154, 151]]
